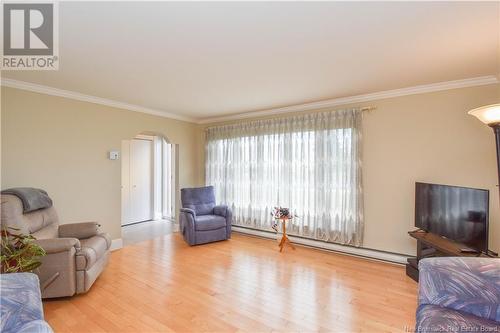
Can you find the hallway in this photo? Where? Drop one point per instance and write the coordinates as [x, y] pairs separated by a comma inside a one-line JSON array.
[[139, 232]]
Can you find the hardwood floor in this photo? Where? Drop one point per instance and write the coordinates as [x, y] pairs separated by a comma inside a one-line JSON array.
[[245, 284], [139, 232]]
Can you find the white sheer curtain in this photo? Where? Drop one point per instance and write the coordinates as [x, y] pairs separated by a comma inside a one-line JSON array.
[[309, 163]]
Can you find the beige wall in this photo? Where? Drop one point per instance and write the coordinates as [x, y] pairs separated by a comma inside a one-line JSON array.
[[61, 145], [427, 137]]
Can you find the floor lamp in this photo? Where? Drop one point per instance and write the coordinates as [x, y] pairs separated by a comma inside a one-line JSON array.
[[490, 115]]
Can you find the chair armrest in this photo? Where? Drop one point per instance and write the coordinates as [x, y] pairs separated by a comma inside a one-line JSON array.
[[220, 210], [225, 211], [56, 245], [106, 237], [188, 211], [187, 218], [79, 230]]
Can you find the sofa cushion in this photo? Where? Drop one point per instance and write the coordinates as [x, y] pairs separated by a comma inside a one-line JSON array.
[[92, 249], [209, 222], [201, 199], [466, 284], [21, 309], [435, 318], [41, 223]]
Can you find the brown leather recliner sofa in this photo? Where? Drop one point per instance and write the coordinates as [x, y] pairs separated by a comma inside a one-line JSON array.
[[77, 253]]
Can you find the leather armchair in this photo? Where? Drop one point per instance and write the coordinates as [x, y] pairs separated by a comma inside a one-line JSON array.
[[201, 220], [77, 253]]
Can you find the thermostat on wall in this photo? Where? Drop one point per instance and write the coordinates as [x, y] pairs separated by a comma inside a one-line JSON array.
[[114, 155]]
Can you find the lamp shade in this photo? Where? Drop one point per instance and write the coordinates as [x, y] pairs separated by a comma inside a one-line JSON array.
[[489, 114]]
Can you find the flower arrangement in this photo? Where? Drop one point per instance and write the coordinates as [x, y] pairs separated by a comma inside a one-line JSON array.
[[281, 213], [19, 253]]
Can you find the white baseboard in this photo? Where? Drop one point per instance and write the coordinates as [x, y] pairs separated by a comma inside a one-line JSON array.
[[116, 244], [349, 250]]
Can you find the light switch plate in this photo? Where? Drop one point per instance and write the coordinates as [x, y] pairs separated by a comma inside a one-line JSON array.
[[114, 155]]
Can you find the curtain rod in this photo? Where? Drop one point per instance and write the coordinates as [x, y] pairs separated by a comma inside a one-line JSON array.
[[364, 108]]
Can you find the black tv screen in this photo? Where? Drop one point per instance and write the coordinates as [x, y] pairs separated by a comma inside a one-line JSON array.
[[454, 212]]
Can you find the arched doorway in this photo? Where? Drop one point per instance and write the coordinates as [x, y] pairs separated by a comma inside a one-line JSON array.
[[149, 186]]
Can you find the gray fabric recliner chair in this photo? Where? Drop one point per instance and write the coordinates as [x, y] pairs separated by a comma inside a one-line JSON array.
[[76, 253], [201, 220]]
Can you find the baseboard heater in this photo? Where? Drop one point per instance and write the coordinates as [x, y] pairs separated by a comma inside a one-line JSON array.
[[391, 257]]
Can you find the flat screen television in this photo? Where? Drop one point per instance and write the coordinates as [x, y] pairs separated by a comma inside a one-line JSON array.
[[457, 213]]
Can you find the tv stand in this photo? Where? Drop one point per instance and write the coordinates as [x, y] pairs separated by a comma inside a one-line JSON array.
[[432, 245]]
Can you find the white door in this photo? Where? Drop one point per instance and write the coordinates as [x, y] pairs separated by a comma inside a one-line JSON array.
[[126, 182], [167, 181], [141, 180]]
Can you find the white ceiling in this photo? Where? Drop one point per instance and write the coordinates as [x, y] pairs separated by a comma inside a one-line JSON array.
[[202, 59]]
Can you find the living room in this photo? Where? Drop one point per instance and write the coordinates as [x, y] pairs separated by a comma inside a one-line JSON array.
[[305, 141]]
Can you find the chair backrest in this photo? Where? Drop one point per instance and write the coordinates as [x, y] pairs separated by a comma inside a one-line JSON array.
[[199, 199], [42, 223]]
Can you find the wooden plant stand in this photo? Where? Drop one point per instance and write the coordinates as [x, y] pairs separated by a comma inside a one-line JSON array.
[[284, 239]]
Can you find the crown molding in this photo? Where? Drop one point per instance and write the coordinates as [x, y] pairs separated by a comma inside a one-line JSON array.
[[426, 88], [89, 98], [420, 89]]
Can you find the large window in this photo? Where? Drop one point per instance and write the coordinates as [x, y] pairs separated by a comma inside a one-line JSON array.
[[309, 163]]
